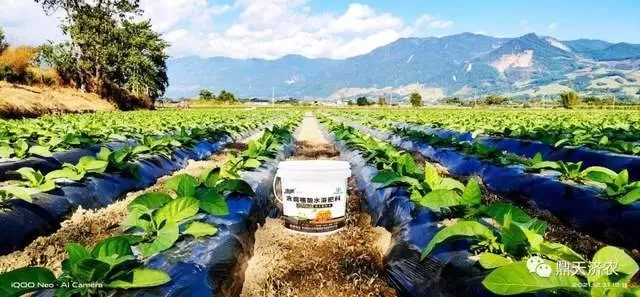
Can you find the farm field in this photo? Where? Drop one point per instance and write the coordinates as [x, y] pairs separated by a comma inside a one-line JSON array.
[[441, 202]]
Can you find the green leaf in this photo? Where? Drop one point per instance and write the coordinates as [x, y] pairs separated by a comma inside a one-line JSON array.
[[36, 275], [491, 260], [103, 154], [384, 176], [449, 184], [630, 197], [199, 229], [139, 149], [461, 229], [497, 211], [30, 174], [165, 238], [76, 252], [20, 148], [5, 151], [537, 158], [212, 202], [17, 192], [625, 265], [251, 163], [561, 142], [438, 199], [141, 278], [559, 251], [515, 278], [39, 150], [431, 176], [46, 186], [65, 172], [401, 180], [88, 270], [177, 210], [149, 201], [91, 164], [120, 155], [234, 186], [622, 178], [112, 248], [513, 236], [184, 185], [472, 195], [210, 177], [545, 165], [600, 174]]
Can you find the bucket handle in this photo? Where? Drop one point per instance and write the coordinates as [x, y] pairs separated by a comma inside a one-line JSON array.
[[275, 193]]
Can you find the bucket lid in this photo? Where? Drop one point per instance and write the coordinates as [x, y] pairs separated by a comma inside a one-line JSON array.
[[314, 165]]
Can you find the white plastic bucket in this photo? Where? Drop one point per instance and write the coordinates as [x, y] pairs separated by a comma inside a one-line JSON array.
[[313, 194]]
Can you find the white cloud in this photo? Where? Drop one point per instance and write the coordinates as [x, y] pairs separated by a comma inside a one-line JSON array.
[[552, 27], [432, 22], [167, 14], [25, 22], [273, 28], [246, 28]]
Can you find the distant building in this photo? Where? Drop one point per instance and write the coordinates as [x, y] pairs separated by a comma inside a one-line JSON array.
[[257, 101]]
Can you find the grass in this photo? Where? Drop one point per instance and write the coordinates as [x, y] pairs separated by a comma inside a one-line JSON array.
[[29, 101]]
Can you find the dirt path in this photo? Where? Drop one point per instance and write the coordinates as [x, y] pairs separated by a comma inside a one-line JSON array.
[[88, 227], [347, 263]]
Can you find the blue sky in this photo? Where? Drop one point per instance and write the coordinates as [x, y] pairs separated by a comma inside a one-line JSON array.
[[616, 20], [340, 28]]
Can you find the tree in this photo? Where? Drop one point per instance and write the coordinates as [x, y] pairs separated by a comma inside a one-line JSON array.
[[109, 47], [3, 44], [206, 95], [362, 101], [415, 99], [569, 99], [495, 100], [61, 57], [143, 68], [451, 100], [382, 101], [225, 96]]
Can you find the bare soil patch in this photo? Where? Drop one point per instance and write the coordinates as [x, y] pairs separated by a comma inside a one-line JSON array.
[[30, 101]]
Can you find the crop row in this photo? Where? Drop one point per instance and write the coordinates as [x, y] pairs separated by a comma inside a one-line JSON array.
[[47, 135], [615, 131], [172, 239], [36, 203], [616, 186], [511, 254], [583, 207]]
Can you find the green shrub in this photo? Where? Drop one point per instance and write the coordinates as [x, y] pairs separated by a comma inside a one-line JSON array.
[[415, 99], [569, 99]]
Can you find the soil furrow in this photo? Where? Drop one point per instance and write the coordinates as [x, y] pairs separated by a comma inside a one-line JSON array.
[[346, 263]]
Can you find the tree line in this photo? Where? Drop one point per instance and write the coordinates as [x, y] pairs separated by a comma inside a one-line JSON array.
[[108, 52], [415, 99]]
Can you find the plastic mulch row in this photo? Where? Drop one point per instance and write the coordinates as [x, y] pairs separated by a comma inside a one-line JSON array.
[[447, 271], [578, 206], [529, 148], [47, 210], [205, 266]]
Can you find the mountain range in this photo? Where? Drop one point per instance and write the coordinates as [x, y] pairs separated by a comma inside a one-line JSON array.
[[464, 65]]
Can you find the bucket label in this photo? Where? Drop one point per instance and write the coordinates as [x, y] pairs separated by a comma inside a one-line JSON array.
[[314, 207]]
